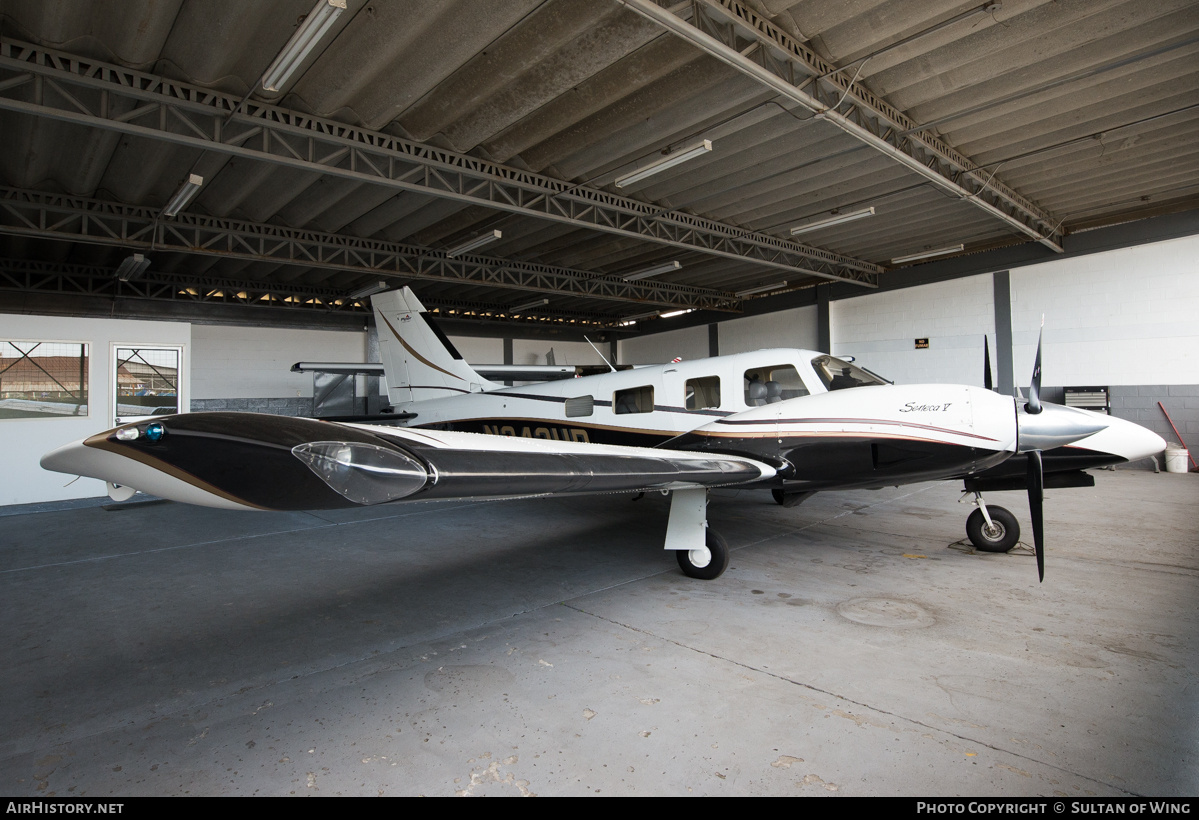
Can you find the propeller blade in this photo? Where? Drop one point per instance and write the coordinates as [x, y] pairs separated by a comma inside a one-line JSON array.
[[1034, 388], [987, 363], [1036, 498]]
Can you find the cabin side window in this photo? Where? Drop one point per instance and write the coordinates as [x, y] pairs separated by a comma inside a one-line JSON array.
[[767, 385], [633, 400], [702, 393], [580, 406]]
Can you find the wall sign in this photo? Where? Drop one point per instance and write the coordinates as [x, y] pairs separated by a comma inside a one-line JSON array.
[[922, 344]]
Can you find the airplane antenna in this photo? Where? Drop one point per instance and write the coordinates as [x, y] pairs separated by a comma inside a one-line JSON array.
[[601, 355]]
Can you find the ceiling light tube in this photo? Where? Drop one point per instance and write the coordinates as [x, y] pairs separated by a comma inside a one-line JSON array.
[[899, 260], [669, 161], [472, 244], [654, 271], [674, 313], [528, 306], [132, 266], [835, 219], [636, 316], [760, 289], [187, 191], [369, 290], [315, 26]]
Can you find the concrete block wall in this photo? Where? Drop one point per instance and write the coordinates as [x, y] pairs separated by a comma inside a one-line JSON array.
[[688, 343], [798, 328], [249, 368], [286, 406], [1139, 403], [1123, 317], [533, 351], [880, 331]]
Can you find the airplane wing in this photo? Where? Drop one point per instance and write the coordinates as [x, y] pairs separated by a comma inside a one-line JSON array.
[[514, 372], [252, 461]]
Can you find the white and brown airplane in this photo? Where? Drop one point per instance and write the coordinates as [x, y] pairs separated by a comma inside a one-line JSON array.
[[790, 421]]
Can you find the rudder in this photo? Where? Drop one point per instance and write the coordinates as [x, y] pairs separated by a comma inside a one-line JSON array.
[[419, 360]]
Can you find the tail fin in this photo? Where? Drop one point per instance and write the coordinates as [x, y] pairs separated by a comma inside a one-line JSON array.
[[419, 361]]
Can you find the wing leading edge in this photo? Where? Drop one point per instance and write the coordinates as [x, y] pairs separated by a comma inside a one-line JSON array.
[[251, 461]]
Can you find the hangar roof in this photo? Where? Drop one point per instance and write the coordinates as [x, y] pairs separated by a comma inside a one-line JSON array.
[[413, 127]]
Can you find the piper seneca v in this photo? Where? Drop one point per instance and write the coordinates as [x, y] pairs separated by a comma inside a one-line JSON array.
[[791, 422]]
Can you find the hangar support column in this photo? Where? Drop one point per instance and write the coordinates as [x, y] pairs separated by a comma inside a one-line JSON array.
[[1002, 284]]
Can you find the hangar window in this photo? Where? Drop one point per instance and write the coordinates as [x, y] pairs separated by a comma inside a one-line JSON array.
[[767, 385], [43, 379], [702, 393], [634, 400], [580, 406]]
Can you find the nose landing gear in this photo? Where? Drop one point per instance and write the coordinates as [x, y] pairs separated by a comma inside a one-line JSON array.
[[992, 529]]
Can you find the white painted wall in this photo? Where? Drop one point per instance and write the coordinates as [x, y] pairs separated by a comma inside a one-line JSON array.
[[25, 441], [880, 331], [255, 362], [797, 327], [688, 343], [532, 351], [1124, 317], [479, 349]]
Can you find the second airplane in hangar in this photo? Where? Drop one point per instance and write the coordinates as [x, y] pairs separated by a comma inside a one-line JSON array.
[[783, 420]]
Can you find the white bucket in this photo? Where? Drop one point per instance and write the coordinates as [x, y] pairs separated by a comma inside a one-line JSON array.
[[1176, 460]]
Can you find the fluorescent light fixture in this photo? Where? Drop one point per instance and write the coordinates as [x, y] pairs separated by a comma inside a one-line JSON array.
[[369, 290], [654, 271], [187, 191], [132, 266], [637, 316], [669, 161], [472, 244], [899, 260], [835, 219], [528, 306], [674, 313], [760, 289], [315, 26]]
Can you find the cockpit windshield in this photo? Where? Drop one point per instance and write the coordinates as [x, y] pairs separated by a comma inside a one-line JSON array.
[[838, 374]]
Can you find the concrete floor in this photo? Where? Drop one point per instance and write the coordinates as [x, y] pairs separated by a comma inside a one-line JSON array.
[[550, 647]]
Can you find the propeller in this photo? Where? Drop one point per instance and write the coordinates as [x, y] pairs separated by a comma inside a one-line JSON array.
[[987, 363], [1036, 498], [1034, 387], [1042, 427], [1036, 470]]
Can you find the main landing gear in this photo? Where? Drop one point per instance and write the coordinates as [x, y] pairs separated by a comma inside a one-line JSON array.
[[992, 528], [701, 552], [707, 562]]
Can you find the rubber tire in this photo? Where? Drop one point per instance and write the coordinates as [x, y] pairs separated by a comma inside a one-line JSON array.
[[715, 568], [779, 496], [1008, 530]]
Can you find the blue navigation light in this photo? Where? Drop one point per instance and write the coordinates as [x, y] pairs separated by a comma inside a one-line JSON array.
[[155, 431]]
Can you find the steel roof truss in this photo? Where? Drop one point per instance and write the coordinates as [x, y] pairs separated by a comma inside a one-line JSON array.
[[56, 216], [114, 98], [727, 30]]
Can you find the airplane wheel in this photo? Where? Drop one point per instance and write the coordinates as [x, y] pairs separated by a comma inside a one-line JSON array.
[[708, 563], [779, 496], [1000, 537]]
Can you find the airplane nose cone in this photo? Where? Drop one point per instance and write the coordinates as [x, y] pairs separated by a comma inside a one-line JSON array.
[[1133, 441], [1124, 439]]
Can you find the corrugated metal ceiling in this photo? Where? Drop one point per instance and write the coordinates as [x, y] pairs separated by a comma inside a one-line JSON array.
[[1085, 112]]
